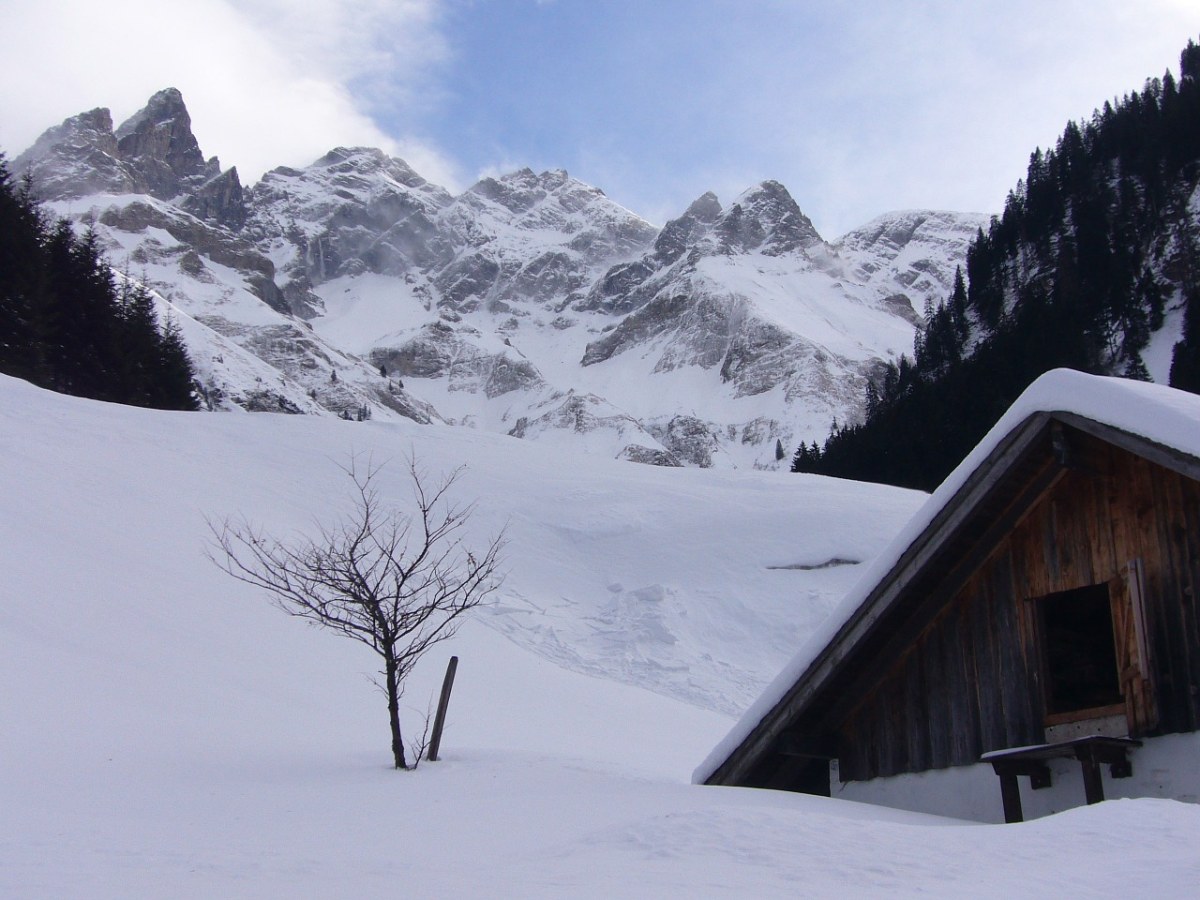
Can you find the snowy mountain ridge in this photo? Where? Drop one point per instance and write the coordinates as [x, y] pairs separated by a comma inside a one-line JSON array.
[[530, 304]]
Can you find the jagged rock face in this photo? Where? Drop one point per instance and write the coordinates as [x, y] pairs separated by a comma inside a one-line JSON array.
[[519, 238], [220, 200], [158, 146], [627, 287], [77, 158], [216, 244], [689, 316], [916, 250], [553, 202], [353, 208], [172, 220], [467, 281], [596, 424], [638, 328], [703, 328], [766, 219], [578, 413], [301, 360], [650, 457], [752, 292], [689, 439], [535, 240], [758, 355], [545, 280], [153, 152], [624, 288], [439, 351], [686, 231]]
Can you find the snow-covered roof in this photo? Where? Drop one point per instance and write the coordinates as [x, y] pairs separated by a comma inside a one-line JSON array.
[[1154, 413]]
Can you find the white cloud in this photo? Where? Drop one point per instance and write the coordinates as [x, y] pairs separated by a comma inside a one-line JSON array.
[[267, 82], [935, 103]]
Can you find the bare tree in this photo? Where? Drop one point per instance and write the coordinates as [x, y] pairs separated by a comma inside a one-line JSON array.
[[397, 582]]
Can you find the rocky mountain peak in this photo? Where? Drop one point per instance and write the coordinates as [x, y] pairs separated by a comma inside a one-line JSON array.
[[516, 191], [92, 129], [166, 107], [552, 206], [77, 158], [705, 208], [915, 249], [527, 237], [153, 152], [766, 218], [521, 191], [354, 208], [893, 231], [680, 234], [365, 162], [351, 158], [158, 146], [553, 179]]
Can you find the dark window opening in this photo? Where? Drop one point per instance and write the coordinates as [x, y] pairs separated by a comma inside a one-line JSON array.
[[1079, 653]]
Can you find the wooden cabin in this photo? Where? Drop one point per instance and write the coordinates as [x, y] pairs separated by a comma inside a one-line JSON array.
[[1038, 622]]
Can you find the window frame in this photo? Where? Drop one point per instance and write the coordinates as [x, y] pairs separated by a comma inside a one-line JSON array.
[[1131, 646], [1046, 654]]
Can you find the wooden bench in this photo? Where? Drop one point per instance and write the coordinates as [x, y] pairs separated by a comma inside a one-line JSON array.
[[1091, 752]]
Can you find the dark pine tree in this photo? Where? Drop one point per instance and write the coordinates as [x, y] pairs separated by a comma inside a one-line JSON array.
[[67, 324], [1185, 360], [21, 276]]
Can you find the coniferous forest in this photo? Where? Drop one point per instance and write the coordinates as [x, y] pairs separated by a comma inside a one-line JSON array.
[[1096, 246], [70, 324]]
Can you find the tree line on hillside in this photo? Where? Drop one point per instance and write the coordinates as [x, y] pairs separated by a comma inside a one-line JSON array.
[[1095, 246], [70, 324]]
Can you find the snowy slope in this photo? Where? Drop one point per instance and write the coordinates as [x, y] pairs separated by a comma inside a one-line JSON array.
[[165, 732], [915, 251]]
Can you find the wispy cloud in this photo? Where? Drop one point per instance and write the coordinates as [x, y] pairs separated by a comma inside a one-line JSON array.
[[860, 108], [268, 82]]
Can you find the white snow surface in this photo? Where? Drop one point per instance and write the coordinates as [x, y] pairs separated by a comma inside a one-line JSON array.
[[1165, 415], [165, 732]]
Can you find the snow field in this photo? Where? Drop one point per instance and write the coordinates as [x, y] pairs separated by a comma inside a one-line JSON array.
[[165, 732]]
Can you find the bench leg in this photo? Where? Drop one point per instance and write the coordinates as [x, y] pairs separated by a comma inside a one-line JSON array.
[[1010, 795], [1093, 787]]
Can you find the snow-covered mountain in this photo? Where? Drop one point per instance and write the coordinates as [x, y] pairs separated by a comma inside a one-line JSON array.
[[530, 304]]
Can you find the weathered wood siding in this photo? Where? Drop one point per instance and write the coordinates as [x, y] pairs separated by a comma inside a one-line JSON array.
[[970, 680]]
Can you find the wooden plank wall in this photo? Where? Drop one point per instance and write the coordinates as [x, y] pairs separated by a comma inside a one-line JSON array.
[[970, 682]]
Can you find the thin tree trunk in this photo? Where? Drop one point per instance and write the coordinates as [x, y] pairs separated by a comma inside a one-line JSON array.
[[393, 697]]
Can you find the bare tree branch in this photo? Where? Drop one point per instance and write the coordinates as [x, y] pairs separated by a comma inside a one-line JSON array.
[[398, 583]]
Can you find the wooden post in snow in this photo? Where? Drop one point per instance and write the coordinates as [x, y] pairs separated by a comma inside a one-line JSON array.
[[439, 720]]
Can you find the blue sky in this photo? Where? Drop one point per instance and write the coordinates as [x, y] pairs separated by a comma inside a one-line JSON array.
[[858, 108]]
